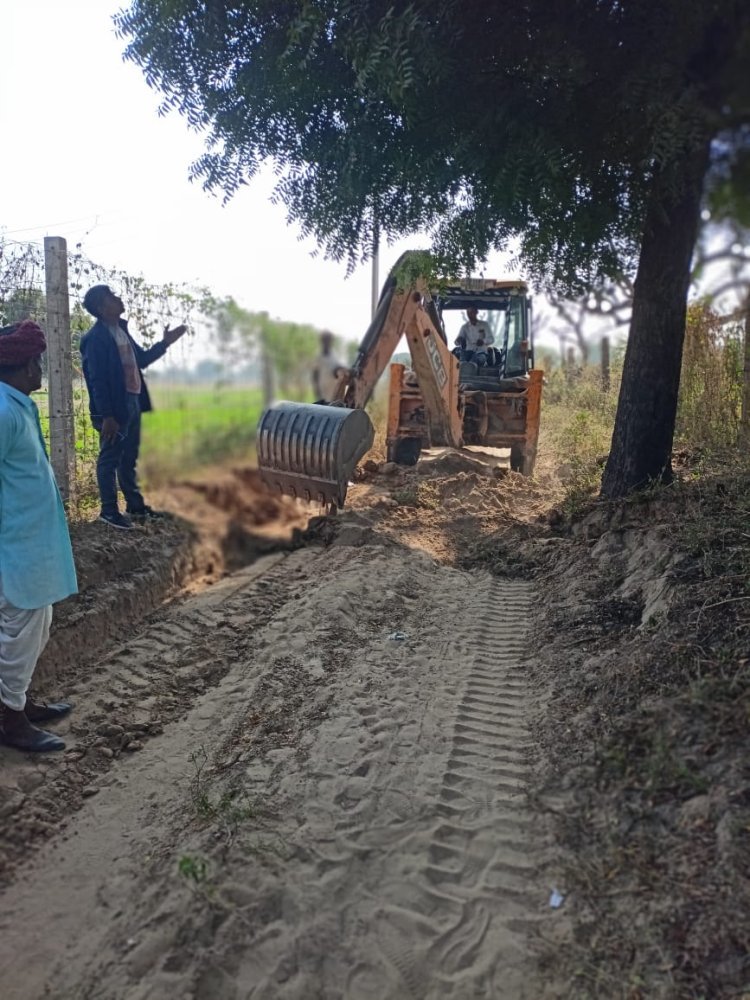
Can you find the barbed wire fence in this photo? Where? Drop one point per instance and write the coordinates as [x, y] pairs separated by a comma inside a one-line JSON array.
[[194, 424]]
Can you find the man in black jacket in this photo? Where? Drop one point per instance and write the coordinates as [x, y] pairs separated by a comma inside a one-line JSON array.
[[112, 364]]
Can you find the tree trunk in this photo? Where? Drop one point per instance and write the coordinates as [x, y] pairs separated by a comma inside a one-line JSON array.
[[641, 449]]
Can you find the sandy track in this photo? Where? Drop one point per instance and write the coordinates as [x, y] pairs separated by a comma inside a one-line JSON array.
[[352, 823]]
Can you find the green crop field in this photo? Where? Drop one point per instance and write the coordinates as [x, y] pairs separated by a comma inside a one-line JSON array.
[[194, 425], [190, 426]]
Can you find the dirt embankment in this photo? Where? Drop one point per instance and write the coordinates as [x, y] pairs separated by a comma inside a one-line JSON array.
[[220, 521], [642, 669]]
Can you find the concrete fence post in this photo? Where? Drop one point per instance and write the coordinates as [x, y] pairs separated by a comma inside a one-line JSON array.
[[59, 366]]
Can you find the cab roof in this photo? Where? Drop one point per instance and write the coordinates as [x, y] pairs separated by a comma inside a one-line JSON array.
[[482, 293]]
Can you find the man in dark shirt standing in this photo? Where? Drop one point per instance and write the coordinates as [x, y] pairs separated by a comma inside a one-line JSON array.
[[112, 367]]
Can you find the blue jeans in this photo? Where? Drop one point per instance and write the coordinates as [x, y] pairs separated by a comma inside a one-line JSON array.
[[117, 461]]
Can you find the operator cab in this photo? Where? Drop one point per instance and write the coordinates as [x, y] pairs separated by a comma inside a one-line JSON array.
[[505, 306]]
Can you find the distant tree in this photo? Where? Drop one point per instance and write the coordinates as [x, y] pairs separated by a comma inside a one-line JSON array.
[[292, 347], [23, 303], [288, 348], [208, 370], [584, 130], [720, 270]]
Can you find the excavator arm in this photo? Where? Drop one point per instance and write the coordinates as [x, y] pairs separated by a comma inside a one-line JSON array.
[[408, 313], [437, 374], [311, 450]]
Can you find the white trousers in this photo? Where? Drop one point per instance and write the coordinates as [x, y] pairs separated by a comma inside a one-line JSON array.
[[23, 636]]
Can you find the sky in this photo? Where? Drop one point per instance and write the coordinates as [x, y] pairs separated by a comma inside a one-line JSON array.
[[87, 157]]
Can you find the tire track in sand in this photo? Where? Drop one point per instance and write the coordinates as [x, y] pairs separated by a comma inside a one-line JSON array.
[[395, 779], [478, 871]]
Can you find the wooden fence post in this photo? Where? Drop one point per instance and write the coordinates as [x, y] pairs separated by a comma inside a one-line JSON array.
[[605, 364], [59, 366]]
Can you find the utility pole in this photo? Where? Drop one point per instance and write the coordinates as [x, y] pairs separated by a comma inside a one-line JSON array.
[[375, 268]]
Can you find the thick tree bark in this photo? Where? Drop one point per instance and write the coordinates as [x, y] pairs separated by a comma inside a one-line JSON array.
[[647, 406]]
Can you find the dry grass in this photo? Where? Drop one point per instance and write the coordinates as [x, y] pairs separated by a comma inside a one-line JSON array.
[[578, 416], [377, 410], [708, 416]]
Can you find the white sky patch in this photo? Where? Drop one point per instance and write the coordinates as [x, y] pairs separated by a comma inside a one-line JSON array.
[[87, 157]]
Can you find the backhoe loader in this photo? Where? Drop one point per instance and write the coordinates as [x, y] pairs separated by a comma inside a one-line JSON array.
[[311, 450]]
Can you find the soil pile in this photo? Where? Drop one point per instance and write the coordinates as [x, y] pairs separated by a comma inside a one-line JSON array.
[[219, 522], [449, 514]]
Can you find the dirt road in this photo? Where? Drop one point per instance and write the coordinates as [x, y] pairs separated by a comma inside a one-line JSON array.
[[332, 804]]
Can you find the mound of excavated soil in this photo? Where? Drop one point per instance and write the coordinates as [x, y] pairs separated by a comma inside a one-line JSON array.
[[447, 515], [221, 521], [446, 462]]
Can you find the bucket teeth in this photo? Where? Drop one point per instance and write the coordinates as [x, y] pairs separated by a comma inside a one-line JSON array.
[[310, 451]]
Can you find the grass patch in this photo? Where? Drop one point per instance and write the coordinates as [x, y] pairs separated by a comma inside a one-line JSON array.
[[578, 416], [194, 426], [227, 811], [193, 868]]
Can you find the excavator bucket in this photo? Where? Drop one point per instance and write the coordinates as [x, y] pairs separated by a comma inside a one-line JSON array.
[[310, 451]]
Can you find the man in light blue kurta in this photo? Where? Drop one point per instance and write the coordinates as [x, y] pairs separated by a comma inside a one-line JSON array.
[[36, 560]]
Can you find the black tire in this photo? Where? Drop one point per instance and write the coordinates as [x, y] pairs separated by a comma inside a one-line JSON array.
[[406, 451], [516, 458]]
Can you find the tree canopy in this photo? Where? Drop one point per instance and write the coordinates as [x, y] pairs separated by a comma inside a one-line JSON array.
[[541, 120], [572, 129]]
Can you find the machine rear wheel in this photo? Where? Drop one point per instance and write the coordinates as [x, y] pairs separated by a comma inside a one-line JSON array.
[[406, 451]]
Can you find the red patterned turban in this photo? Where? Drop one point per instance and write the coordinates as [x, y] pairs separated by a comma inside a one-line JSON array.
[[20, 343]]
